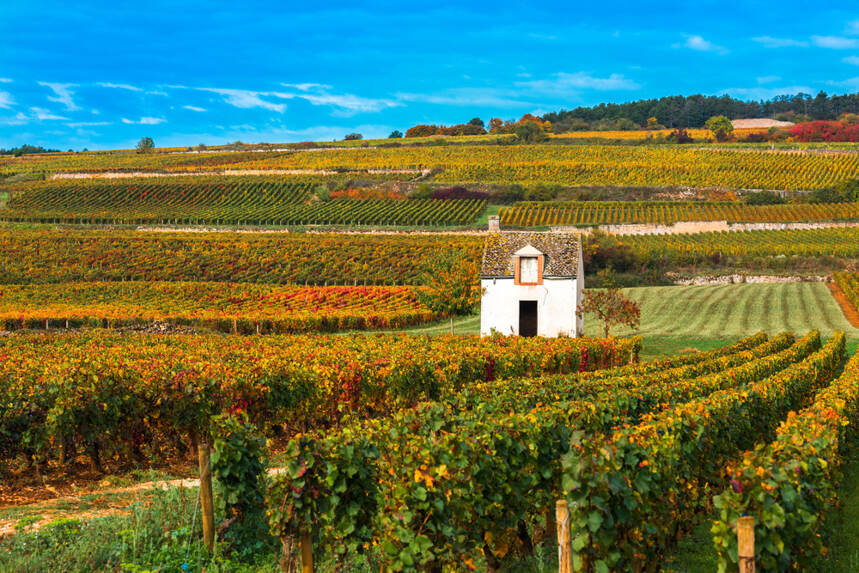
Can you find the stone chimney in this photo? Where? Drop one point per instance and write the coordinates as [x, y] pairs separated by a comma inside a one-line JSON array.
[[494, 224]]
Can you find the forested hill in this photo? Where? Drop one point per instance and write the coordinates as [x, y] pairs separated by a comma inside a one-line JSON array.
[[693, 111]]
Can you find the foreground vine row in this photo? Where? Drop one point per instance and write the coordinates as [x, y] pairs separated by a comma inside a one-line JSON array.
[[117, 398], [441, 483]]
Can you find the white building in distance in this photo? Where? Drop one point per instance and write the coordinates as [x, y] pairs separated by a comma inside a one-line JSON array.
[[532, 284]]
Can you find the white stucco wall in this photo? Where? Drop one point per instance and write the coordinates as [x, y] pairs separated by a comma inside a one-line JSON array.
[[557, 300]]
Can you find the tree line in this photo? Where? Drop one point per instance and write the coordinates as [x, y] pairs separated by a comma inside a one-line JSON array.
[[694, 111]]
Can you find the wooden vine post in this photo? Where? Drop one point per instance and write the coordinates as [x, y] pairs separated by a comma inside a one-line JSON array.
[[746, 543], [306, 544], [565, 553], [206, 501]]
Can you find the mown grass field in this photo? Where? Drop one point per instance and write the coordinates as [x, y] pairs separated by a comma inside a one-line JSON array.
[[674, 318]]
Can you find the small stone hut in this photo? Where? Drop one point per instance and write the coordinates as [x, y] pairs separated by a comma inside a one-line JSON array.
[[532, 284]]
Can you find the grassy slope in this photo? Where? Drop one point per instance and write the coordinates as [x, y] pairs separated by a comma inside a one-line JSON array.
[[675, 318]]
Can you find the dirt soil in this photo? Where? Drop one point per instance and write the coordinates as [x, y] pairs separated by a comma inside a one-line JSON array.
[[850, 312]]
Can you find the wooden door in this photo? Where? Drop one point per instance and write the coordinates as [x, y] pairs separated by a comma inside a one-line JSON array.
[[527, 318]]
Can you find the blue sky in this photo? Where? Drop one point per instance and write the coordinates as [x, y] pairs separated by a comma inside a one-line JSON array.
[[101, 75]]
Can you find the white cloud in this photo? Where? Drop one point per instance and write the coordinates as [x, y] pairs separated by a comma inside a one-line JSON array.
[[849, 83], [6, 100], [852, 60], [852, 27], [19, 119], [246, 99], [768, 79], [5, 81], [580, 80], [699, 44], [347, 104], [144, 121], [42, 114], [120, 86], [834, 42], [87, 123], [307, 86], [481, 97], [770, 42], [193, 108], [762, 93], [156, 93], [62, 95]]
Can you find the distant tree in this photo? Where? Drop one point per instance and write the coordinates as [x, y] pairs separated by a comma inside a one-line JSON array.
[[679, 135], [652, 122], [145, 145], [530, 132], [422, 130], [611, 307], [477, 121], [720, 126], [396, 134], [495, 125], [202, 147], [353, 137], [451, 286], [624, 124]]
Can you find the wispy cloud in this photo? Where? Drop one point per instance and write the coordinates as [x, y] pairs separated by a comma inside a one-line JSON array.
[[43, 114], [19, 119], [834, 42], [193, 108], [562, 82], [5, 81], [347, 104], [62, 94], [768, 79], [120, 86], [308, 86], [771, 42], [852, 27], [471, 97], [849, 83], [764, 93], [852, 60], [144, 121], [699, 44], [88, 123], [246, 99], [6, 100]]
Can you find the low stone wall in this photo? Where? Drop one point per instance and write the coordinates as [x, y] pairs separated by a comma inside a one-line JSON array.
[[753, 279]]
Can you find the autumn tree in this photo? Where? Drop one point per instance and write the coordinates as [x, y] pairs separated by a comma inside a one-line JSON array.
[[530, 132], [145, 145], [451, 286], [720, 126], [610, 306]]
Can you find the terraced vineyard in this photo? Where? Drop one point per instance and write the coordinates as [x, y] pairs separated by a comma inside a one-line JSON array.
[[217, 200], [243, 308], [691, 248], [666, 213], [849, 284], [528, 164], [43, 256]]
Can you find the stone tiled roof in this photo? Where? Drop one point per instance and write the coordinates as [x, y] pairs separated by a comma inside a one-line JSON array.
[[561, 250]]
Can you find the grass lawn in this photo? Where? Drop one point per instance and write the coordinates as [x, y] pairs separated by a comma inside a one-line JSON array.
[[679, 318]]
